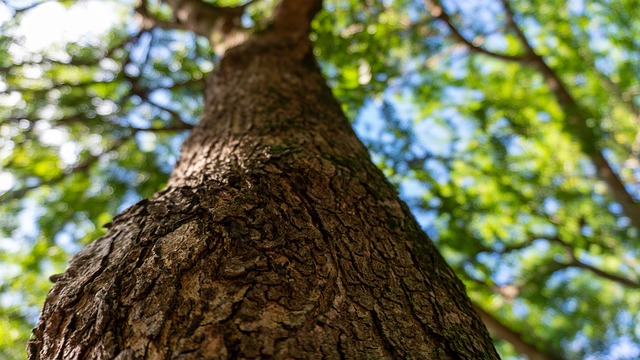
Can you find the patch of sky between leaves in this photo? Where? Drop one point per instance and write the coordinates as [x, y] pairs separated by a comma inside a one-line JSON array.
[[432, 136], [52, 24], [28, 229]]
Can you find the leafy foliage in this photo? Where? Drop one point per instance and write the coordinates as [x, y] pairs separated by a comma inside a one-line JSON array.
[[458, 102]]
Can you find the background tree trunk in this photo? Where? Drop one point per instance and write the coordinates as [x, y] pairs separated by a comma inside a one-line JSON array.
[[276, 236]]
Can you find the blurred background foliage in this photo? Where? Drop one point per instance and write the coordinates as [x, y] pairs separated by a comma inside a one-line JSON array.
[[510, 128]]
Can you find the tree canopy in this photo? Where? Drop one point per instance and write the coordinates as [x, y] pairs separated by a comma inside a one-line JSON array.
[[509, 127]]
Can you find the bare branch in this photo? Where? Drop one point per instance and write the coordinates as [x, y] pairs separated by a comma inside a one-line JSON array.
[[438, 11]]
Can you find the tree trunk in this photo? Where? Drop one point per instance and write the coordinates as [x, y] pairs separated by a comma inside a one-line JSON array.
[[275, 237]]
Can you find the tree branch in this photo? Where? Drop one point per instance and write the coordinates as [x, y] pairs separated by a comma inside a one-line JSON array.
[[182, 124], [78, 167], [512, 24], [205, 19], [86, 164], [76, 61], [184, 84], [293, 17], [438, 11], [148, 21], [514, 338], [607, 275], [575, 262], [576, 115], [624, 98], [504, 332]]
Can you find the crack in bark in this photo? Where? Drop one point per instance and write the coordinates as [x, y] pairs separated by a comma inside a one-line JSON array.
[[388, 346]]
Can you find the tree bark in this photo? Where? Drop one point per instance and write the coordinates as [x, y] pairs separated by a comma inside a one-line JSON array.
[[276, 237]]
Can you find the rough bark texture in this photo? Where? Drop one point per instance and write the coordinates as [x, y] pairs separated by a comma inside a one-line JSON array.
[[275, 238]]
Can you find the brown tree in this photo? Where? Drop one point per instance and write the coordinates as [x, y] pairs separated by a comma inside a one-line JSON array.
[[275, 237]]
